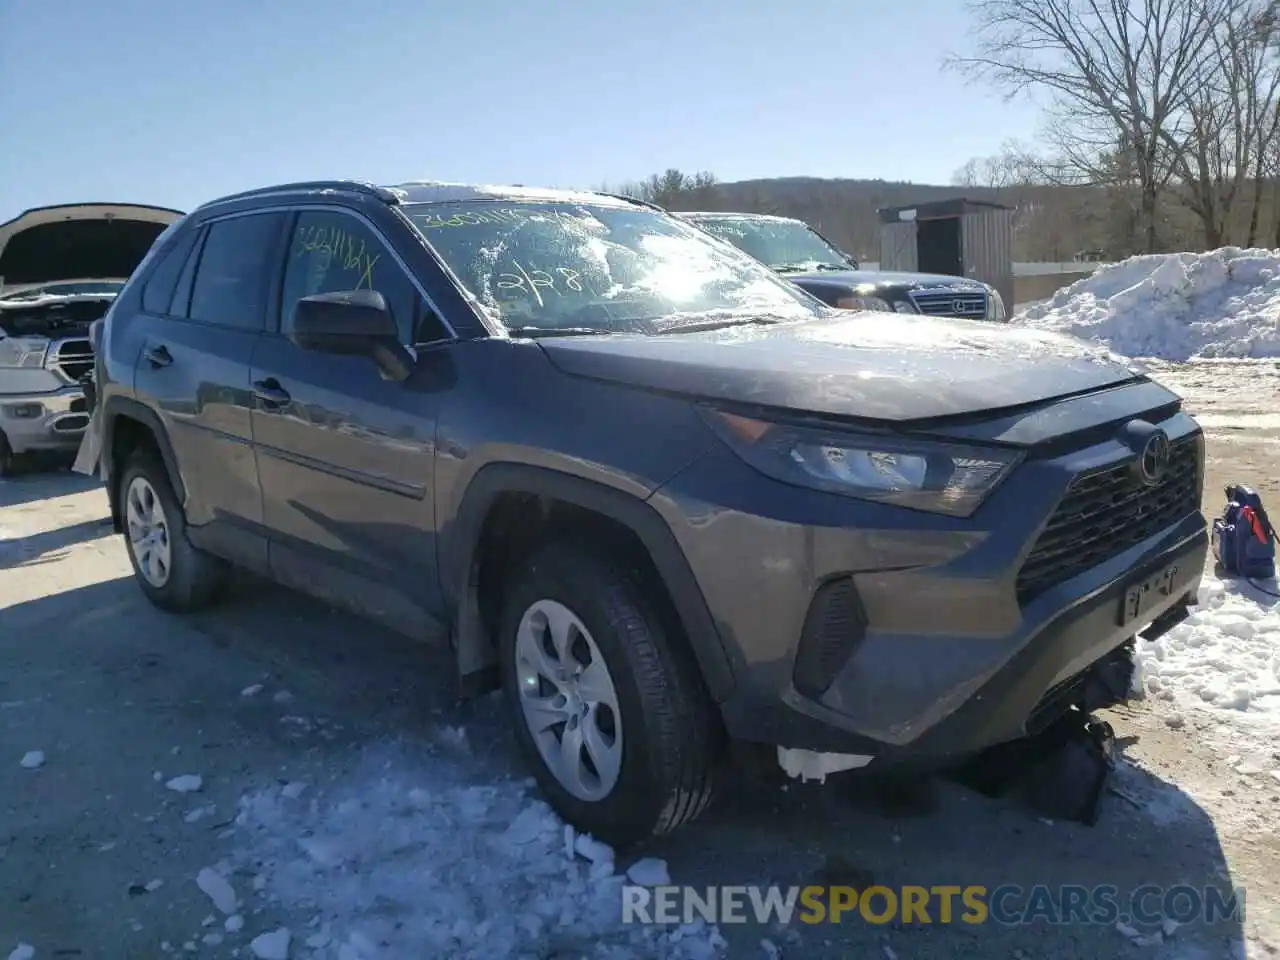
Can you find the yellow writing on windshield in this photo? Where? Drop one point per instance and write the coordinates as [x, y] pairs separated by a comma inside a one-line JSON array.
[[533, 282], [349, 253], [499, 215]]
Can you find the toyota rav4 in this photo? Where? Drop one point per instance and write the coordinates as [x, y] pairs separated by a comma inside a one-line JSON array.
[[666, 501]]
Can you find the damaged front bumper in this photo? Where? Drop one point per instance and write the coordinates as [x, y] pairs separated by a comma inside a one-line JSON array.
[[1082, 659]]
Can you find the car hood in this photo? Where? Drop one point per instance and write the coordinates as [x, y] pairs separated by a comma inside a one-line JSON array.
[[80, 241], [897, 368], [932, 281]]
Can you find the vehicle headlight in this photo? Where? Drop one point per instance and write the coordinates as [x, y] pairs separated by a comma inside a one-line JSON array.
[[864, 303], [935, 477], [23, 352], [995, 305]]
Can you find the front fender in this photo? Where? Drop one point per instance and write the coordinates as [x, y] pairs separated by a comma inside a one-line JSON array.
[[460, 540]]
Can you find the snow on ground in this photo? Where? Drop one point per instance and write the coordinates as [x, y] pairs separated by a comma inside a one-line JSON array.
[[1223, 665], [410, 858], [1179, 306]]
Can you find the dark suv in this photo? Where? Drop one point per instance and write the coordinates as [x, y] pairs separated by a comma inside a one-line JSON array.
[[668, 501], [815, 264]]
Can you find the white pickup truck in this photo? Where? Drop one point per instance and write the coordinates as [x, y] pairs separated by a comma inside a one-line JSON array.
[[60, 269]]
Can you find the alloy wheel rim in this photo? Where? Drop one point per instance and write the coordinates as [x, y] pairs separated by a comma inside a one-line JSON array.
[[569, 700], [148, 531]]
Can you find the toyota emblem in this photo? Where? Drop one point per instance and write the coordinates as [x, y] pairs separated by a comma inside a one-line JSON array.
[[958, 306], [1154, 461]]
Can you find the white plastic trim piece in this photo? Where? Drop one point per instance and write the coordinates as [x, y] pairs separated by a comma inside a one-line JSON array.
[[808, 765]]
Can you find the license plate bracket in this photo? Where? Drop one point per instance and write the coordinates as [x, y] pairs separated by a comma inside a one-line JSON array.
[[1149, 592]]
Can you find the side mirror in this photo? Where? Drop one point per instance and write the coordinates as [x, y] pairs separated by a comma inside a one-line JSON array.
[[351, 323]]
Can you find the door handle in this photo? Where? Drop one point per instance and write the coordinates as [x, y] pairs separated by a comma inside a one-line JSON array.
[[271, 393], [157, 356]]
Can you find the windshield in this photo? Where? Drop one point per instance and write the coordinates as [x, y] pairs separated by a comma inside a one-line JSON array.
[[66, 289], [785, 245], [595, 268]]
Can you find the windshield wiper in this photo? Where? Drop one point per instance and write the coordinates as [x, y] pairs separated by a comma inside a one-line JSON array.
[[715, 325], [535, 332], [809, 266]]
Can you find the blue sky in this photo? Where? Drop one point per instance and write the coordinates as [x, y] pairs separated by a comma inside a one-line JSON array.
[[177, 102]]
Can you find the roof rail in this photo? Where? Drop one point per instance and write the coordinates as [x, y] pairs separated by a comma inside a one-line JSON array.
[[304, 186]]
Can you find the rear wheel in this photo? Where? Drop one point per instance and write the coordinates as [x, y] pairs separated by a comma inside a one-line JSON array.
[[609, 710], [173, 574]]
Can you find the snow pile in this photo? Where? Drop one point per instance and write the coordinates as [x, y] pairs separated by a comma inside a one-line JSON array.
[[408, 861], [1222, 663], [1177, 306]]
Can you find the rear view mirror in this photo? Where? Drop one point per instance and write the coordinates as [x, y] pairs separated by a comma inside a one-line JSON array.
[[351, 322]]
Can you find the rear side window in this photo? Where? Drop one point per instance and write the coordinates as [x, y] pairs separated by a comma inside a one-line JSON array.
[[158, 292], [182, 295], [231, 281]]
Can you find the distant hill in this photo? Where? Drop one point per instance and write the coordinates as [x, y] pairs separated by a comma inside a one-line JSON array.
[[1052, 223]]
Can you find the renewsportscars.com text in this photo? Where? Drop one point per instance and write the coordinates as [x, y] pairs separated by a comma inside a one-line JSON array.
[[1009, 905]]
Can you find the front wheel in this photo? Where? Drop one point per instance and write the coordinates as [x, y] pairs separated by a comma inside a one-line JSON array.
[[609, 709]]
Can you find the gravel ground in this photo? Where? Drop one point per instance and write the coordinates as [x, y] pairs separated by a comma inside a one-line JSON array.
[[272, 689]]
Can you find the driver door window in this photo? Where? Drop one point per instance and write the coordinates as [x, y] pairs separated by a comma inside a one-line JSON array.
[[332, 251]]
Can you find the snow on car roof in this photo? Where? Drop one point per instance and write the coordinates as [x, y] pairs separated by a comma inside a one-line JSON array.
[[726, 215], [439, 191]]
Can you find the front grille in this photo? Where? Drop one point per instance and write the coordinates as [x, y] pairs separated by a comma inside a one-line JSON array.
[[71, 359], [972, 306], [1106, 512]]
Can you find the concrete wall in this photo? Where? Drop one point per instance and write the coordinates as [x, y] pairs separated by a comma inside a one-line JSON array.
[[1042, 286]]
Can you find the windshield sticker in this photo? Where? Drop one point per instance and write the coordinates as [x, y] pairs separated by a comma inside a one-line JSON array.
[[350, 254]]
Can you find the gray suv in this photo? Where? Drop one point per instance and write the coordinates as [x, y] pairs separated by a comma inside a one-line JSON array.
[[664, 499]]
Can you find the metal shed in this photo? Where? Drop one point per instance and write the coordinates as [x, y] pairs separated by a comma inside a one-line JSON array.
[[959, 238]]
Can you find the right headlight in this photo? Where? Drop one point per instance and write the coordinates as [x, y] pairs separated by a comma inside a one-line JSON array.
[[877, 304], [935, 477], [24, 352]]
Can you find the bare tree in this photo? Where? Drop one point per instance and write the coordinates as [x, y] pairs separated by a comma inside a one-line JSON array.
[[672, 189], [1016, 165], [1008, 175], [1263, 37], [1230, 122], [1117, 71]]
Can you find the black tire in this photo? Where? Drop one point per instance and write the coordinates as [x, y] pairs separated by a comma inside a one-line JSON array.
[[195, 578], [7, 465], [672, 737]]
